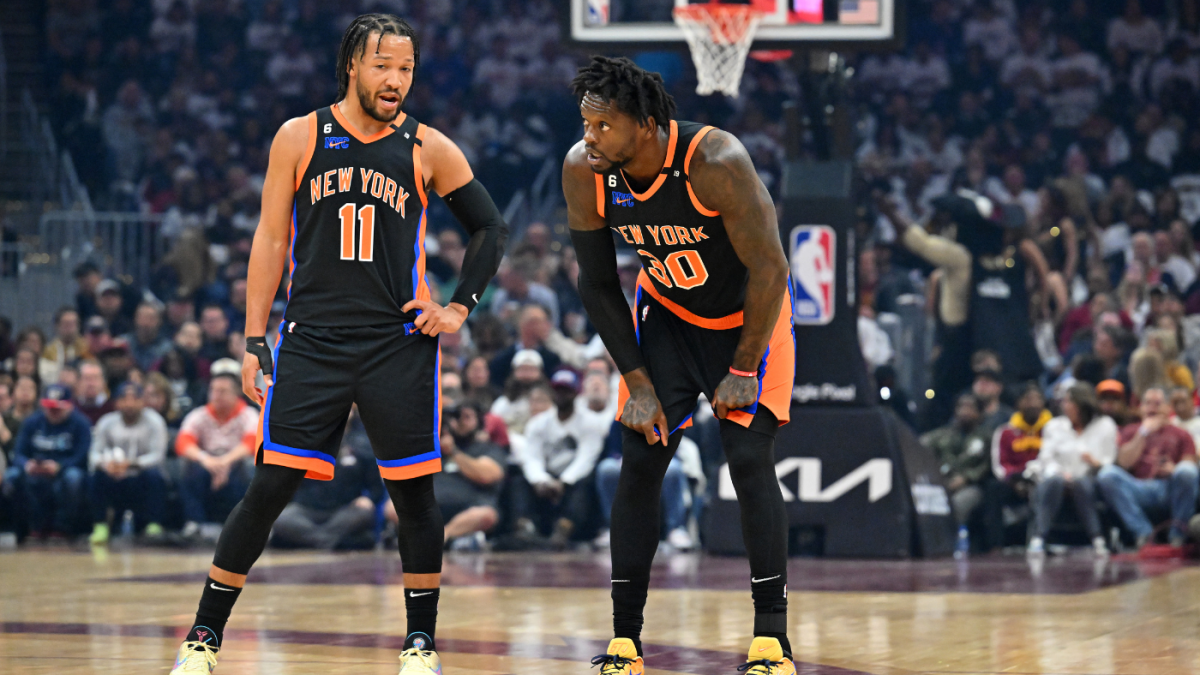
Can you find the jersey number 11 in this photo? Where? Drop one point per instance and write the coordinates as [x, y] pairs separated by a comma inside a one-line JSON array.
[[366, 240]]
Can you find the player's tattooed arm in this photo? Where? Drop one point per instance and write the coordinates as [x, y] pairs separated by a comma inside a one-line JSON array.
[[600, 291], [724, 180]]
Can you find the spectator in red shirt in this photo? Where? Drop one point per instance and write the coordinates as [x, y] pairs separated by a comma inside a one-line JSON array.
[[1155, 471], [1013, 446], [218, 443]]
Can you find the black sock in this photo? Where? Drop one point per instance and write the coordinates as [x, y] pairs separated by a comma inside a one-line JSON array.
[[629, 600], [421, 605], [216, 602], [770, 610]]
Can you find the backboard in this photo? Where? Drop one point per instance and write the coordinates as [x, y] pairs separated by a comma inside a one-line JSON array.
[[786, 24]]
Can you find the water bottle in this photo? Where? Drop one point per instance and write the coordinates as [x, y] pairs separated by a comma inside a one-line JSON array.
[[127, 524], [963, 546]]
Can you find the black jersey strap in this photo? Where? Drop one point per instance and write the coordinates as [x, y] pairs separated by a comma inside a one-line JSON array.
[[408, 129]]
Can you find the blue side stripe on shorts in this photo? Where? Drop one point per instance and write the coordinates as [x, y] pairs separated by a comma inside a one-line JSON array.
[[409, 461]]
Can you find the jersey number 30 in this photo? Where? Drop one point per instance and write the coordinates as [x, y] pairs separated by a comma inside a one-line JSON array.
[[366, 240], [685, 268]]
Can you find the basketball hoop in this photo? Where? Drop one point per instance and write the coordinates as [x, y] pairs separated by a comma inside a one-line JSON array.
[[719, 37]]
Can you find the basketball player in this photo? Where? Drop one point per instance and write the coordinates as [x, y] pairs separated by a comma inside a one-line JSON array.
[[344, 207], [713, 316]]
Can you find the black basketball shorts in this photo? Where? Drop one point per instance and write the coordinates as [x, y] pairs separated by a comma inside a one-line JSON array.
[[390, 372]]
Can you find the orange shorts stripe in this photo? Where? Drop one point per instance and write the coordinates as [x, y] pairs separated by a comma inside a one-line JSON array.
[[722, 323], [411, 471], [316, 469], [780, 374]]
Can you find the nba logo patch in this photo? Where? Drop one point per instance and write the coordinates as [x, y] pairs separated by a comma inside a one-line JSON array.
[[337, 142], [812, 249]]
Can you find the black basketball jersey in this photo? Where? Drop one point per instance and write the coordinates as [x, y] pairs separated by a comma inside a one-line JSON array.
[[358, 228], [684, 248]]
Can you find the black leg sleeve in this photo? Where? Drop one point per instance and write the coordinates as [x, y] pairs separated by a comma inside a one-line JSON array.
[[249, 525], [420, 531], [636, 527], [751, 456]]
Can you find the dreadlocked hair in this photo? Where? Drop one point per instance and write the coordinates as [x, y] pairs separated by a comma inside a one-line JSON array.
[[627, 86], [354, 43]]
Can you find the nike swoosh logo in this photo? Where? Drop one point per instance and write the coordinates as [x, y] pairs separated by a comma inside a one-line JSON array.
[[417, 595], [620, 581], [214, 586], [475, 297], [759, 581]]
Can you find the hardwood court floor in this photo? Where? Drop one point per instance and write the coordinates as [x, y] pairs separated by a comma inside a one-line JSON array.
[[535, 614]]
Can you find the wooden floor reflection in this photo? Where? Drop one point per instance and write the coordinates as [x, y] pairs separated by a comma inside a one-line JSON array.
[[72, 612]]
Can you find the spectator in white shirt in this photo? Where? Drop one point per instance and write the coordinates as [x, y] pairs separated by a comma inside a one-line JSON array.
[[1162, 140], [1079, 79], [498, 75], [924, 75], [291, 69], [174, 32], [1075, 445], [1012, 190], [1185, 413], [1178, 68], [990, 30], [1135, 32], [562, 447], [1028, 70], [128, 449]]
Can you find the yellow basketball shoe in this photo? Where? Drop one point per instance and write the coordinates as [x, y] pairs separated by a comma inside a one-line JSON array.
[[195, 657], [766, 658], [622, 659], [416, 660]]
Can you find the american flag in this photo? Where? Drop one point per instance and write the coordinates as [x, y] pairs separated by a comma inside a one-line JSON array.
[[858, 11]]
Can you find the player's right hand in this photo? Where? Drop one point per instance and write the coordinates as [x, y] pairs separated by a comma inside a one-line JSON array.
[[643, 412], [258, 357]]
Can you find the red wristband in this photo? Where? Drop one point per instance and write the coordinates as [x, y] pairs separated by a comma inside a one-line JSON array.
[[741, 373]]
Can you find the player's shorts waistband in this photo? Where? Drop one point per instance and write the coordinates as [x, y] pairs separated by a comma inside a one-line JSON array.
[[722, 323]]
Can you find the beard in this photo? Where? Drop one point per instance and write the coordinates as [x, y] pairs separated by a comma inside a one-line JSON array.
[[367, 100], [613, 164]]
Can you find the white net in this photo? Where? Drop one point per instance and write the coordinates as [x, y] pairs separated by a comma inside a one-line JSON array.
[[719, 37]]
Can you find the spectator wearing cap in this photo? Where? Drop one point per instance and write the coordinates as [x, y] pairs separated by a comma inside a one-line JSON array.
[[128, 449], [337, 513], [1155, 470], [1075, 445], [561, 450], [180, 309], [215, 441], [51, 455], [1114, 402], [68, 344], [146, 343], [468, 488], [111, 306], [513, 404], [96, 335], [533, 330], [92, 400]]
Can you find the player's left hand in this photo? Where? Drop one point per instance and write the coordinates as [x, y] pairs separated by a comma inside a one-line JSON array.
[[735, 391], [434, 318]]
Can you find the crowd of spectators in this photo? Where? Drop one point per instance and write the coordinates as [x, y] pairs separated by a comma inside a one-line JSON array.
[[1031, 175], [1031, 169]]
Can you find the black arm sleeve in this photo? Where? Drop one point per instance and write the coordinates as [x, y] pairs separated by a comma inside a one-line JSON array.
[[600, 290], [473, 207]]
